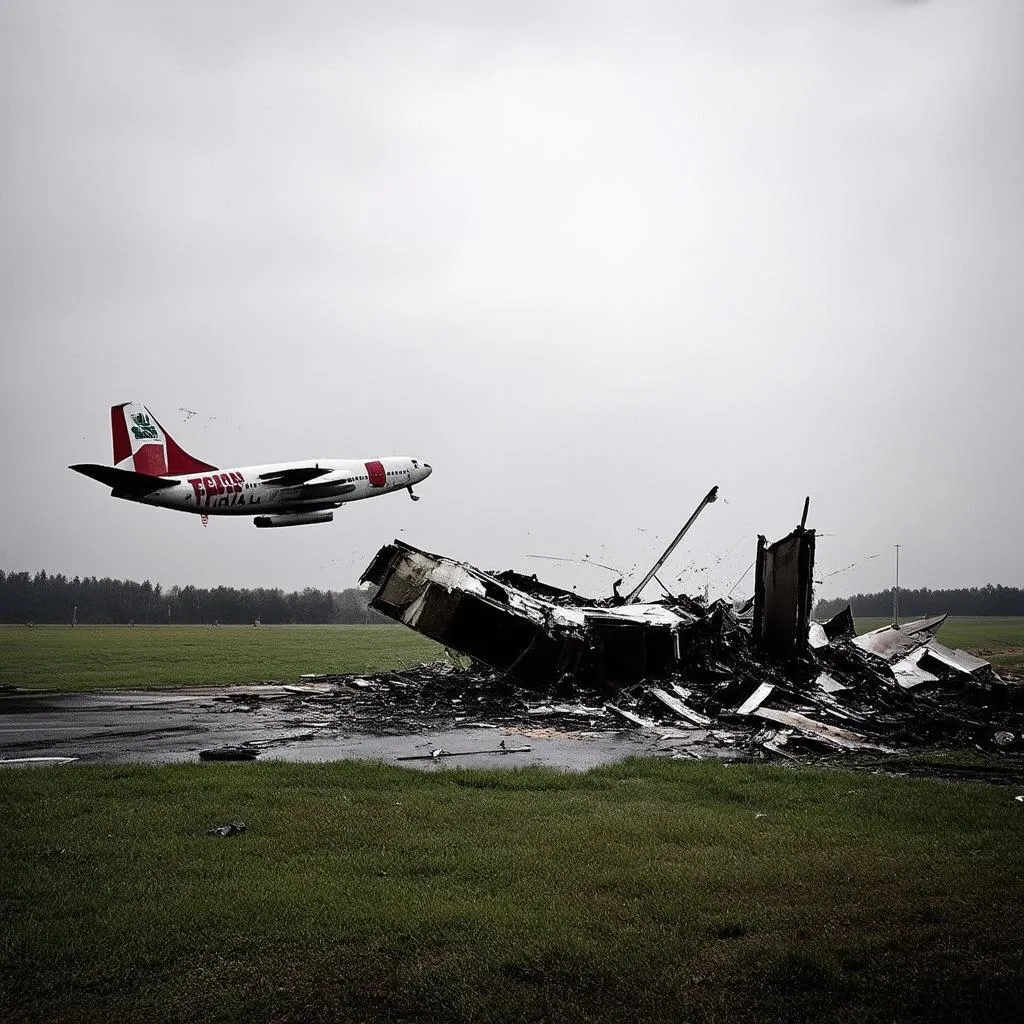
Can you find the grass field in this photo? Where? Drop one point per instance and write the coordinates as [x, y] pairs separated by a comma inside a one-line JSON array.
[[649, 890], [1000, 639], [113, 657]]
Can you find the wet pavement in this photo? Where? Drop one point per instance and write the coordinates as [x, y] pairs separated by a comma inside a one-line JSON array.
[[436, 717], [174, 726]]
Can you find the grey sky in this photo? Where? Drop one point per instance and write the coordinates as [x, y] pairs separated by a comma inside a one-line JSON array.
[[587, 259]]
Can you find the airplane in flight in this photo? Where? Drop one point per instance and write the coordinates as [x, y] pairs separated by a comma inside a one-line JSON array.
[[152, 468]]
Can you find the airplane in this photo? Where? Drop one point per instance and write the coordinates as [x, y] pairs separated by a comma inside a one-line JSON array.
[[152, 468]]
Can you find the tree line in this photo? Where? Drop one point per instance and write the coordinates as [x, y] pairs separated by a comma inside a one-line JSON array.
[[988, 600], [45, 598]]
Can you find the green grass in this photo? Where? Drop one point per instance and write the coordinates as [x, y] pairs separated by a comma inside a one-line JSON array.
[[1000, 639], [648, 890], [113, 657]]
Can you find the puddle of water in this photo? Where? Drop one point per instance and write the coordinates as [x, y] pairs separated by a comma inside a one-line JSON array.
[[569, 751]]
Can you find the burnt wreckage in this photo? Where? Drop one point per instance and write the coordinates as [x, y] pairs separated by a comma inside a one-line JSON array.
[[762, 664]]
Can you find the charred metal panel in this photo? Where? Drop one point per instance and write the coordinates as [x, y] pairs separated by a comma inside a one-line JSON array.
[[532, 585], [435, 611], [620, 651], [920, 627], [489, 633], [957, 661], [887, 642], [841, 625], [534, 632], [395, 596], [626, 651], [783, 592], [379, 566]]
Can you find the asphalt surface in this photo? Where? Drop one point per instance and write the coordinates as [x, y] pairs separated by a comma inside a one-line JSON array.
[[174, 726]]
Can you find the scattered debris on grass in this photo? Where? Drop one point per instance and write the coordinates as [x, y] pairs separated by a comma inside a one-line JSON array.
[[232, 828]]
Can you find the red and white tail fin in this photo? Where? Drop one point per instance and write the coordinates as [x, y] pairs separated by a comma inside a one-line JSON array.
[[145, 446]]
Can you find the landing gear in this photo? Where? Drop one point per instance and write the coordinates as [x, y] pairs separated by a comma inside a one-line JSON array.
[[415, 497]]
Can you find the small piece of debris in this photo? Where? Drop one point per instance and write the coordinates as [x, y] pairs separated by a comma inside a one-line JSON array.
[[232, 828], [229, 754]]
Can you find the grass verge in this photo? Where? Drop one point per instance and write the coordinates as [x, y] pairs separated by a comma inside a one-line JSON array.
[[647, 890], [118, 657]]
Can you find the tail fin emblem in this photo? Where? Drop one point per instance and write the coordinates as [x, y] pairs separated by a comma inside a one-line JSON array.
[[142, 428]]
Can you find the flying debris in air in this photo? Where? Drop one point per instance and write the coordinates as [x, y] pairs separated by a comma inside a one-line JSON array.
[[151, 468]]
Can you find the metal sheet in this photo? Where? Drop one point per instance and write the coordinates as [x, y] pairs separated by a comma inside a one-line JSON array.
[[909, 673], [828, 684], [888, 643], [840, 625], [644, 723], [959, 661], [756, 699], [921, 626], [816, 637], [782, 592], [841, 737], [673, 704]]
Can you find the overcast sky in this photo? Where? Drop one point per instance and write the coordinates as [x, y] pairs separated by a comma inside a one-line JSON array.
[[587, 259]]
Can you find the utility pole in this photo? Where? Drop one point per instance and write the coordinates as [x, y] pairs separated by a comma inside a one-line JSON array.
[[896, 590]]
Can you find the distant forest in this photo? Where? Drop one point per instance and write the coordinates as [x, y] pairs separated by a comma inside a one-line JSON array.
[[988, 600], [42, 598]]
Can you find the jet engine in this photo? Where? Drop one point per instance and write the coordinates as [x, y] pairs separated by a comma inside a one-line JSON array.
[[293, 519]]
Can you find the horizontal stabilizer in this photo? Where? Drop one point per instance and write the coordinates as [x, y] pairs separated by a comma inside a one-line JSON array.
[[124, 481], [296, 475]]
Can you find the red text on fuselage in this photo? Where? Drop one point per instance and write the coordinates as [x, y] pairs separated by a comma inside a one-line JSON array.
[[219, 489]]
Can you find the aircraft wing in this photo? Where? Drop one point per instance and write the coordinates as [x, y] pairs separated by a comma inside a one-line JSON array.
[[124, 481], [326, 490], [325, 484], [294, 475]]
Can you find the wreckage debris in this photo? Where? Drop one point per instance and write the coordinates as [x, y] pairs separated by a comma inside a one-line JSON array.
[[683, 662], [233, 828], [38, 761], [441, 752], [676, 705], [783, 591], [746, 680], [872, 713], [756, 699], [818, 730], [534, 633]]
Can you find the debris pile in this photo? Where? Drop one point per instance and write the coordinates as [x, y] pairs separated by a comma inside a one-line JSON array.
[[759, 676]]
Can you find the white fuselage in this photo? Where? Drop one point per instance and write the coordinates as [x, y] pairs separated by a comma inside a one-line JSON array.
[[253, 490]]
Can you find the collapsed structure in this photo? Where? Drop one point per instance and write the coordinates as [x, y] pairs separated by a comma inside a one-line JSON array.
[[536, 633], [761, 661]]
